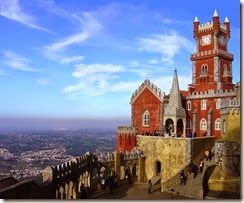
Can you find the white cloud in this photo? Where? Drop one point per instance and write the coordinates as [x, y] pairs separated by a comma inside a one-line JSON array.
[[12, 10], [94, 79], [166, 45], [89, 27], [83, 70], [73, 39], [72, 59], [17, 62]]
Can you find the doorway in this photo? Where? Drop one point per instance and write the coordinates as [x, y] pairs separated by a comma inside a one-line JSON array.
[[158, 168]]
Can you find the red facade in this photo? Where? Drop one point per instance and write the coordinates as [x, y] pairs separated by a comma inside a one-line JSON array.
[[146, 101]]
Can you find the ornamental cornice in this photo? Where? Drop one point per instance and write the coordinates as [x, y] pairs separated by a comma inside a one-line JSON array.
[[211, 94], [212, 52]]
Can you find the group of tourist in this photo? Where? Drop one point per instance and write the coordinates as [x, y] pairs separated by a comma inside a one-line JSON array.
[[154, 133], [193, 168]]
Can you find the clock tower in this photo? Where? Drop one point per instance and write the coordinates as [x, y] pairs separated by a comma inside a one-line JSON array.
[[212, 63]]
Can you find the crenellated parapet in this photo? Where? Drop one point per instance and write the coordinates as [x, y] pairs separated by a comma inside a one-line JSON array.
[[104, 156], [127, 130], [211, 93], [64, 180], [147, 83], [135, 153], [205, 27], [209, 26]]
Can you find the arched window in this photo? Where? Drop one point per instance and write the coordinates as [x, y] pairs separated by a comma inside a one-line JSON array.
[[218, 124], [204, 70], [203, 104], [203, 124], [188, 105], [188, 124], [146, 118], [224, 126], [218, 103]]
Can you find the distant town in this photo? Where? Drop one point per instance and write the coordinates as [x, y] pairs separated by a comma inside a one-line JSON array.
[[25, 154]]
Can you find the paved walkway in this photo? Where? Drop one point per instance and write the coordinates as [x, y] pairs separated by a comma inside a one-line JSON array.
[[136, 191]]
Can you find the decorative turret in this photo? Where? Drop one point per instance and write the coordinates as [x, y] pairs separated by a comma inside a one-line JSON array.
[[216, 25], [227, 25], [174, 113], [174, 106], [196, 24]]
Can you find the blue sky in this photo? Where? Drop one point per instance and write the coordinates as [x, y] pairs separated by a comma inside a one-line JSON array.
[[78, 59]]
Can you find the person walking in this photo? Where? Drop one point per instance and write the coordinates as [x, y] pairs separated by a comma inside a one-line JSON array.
[[149, 186], [201, 165]]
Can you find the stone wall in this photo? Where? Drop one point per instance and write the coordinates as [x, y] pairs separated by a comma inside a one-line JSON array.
[[172, 154]]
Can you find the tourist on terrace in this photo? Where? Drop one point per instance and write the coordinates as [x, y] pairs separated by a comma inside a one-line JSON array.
[[201, 165]]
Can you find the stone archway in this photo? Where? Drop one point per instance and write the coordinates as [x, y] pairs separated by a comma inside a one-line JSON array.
[[180, 127], [169, 126]]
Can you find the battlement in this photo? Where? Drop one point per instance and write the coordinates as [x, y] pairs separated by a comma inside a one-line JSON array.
[[104, 156], [205, 27], [157, 91], [127, 130], [135, 153], [209, 26], [211, 93], [212, 52]]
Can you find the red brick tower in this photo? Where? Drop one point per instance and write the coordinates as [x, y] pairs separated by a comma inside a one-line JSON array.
[[211, 77], [212, 64]]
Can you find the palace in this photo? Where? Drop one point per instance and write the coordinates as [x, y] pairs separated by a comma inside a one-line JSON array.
[[197, 111], [167, 133]]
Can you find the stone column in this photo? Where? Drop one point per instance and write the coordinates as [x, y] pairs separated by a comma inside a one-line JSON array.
[[141, 169], [209, 130], [117, 162]]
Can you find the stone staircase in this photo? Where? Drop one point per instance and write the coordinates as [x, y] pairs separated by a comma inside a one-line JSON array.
[[192, 189], [194, 186], [155, 179]]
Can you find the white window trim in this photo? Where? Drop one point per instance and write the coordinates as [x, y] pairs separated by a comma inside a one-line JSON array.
[[203, 127], [218, 124], [188, 105], [146, 120], [203, 105], [218, 103]]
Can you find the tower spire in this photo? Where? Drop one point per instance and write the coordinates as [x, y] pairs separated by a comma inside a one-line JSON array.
[[196, 19], [215, 13], [175, 106]]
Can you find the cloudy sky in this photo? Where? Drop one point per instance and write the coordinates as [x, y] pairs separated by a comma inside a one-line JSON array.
[[78, 59]]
